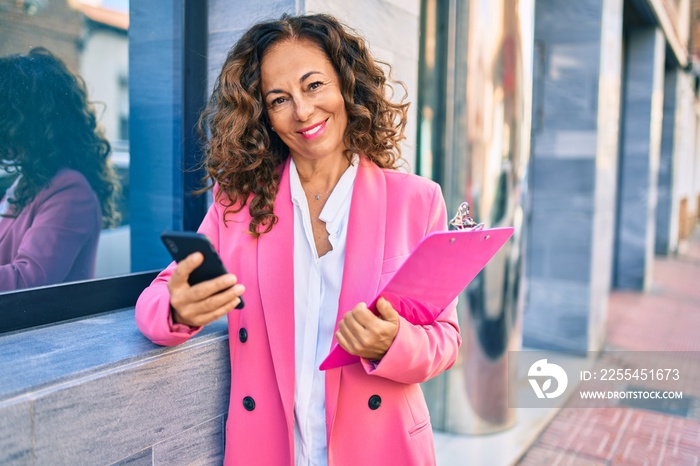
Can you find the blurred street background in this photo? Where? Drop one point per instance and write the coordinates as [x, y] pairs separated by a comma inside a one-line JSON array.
[[665, 320]]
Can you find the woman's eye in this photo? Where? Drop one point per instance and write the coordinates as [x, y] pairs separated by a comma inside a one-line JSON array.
[[315, 85], [277, 101]]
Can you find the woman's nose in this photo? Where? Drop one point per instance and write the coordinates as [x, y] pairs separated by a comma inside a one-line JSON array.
[[303, 108]]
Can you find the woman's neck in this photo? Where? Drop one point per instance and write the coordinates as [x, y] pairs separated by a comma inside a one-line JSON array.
[[319, 176]]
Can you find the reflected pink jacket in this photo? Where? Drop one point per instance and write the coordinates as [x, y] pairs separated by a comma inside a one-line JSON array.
[[375, 415], [54, 238]]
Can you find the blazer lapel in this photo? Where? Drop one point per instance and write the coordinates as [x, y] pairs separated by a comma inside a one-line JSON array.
[[276, 281], [5, 226], [364, 253]]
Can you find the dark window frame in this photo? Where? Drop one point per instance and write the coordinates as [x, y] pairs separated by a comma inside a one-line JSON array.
[[57, 303]]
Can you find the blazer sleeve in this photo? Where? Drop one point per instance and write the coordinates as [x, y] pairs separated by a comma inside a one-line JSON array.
[[420, 352], [153, 316], [66, 220]]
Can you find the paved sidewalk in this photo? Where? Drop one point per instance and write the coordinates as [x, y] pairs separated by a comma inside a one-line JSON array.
[[664, 319]]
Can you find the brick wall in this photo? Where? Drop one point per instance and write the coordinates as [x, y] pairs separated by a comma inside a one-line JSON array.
[[56, 26]]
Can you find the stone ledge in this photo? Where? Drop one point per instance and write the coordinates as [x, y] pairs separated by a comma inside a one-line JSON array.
[[95, 391]]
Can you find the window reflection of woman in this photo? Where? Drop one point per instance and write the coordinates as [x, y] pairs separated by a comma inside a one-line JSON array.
[[64, 189]]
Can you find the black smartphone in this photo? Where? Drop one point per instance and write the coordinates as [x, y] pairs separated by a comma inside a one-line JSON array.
[[181, 244]]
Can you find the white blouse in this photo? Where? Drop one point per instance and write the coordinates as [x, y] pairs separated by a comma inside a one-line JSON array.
[[317, 282]]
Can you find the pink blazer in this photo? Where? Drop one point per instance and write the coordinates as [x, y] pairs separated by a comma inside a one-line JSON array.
[[375, 415], [54, 238]]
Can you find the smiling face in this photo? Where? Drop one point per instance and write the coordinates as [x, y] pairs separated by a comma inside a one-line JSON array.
[[302, 95]]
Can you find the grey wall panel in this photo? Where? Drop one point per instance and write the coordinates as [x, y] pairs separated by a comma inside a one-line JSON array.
[[142, 458], [639, 158], [15, 433], [574, 172], [114, 414], [202, 445]]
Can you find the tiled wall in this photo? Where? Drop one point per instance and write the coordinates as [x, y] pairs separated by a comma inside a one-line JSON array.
[[686, 182], [667, 210], [573, 171], [678, 160], [639, 158], [96, 391]]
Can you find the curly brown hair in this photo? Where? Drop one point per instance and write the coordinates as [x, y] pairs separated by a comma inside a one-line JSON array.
[[47, 123], [243, 154]]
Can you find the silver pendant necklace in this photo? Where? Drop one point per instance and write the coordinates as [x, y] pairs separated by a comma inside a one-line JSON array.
[[318, 196]]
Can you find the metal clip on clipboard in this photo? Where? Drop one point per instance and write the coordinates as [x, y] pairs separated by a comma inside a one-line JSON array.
[[463, 221]]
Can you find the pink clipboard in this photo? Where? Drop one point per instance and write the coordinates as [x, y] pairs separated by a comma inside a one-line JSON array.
[[441, 266]]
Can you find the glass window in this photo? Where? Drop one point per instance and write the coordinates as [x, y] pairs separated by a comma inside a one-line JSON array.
[[143, 68], [64, 155]]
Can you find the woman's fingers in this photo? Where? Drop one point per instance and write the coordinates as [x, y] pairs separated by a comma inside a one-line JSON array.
[[204, 302], [387, 311], [344, 343], [364, 334], [196, 313], [183, 270], [215, 301], [353, 323], [350, 334], [209, 314], [206, 289]]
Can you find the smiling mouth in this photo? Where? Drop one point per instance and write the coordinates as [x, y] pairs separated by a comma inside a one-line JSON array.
[[313, 131]]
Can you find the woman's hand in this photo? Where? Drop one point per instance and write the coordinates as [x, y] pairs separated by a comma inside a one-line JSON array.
[[204, 302], [366, 335]]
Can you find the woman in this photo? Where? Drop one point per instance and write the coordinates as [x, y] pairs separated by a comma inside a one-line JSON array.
[[64, 188], [313, 219]]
